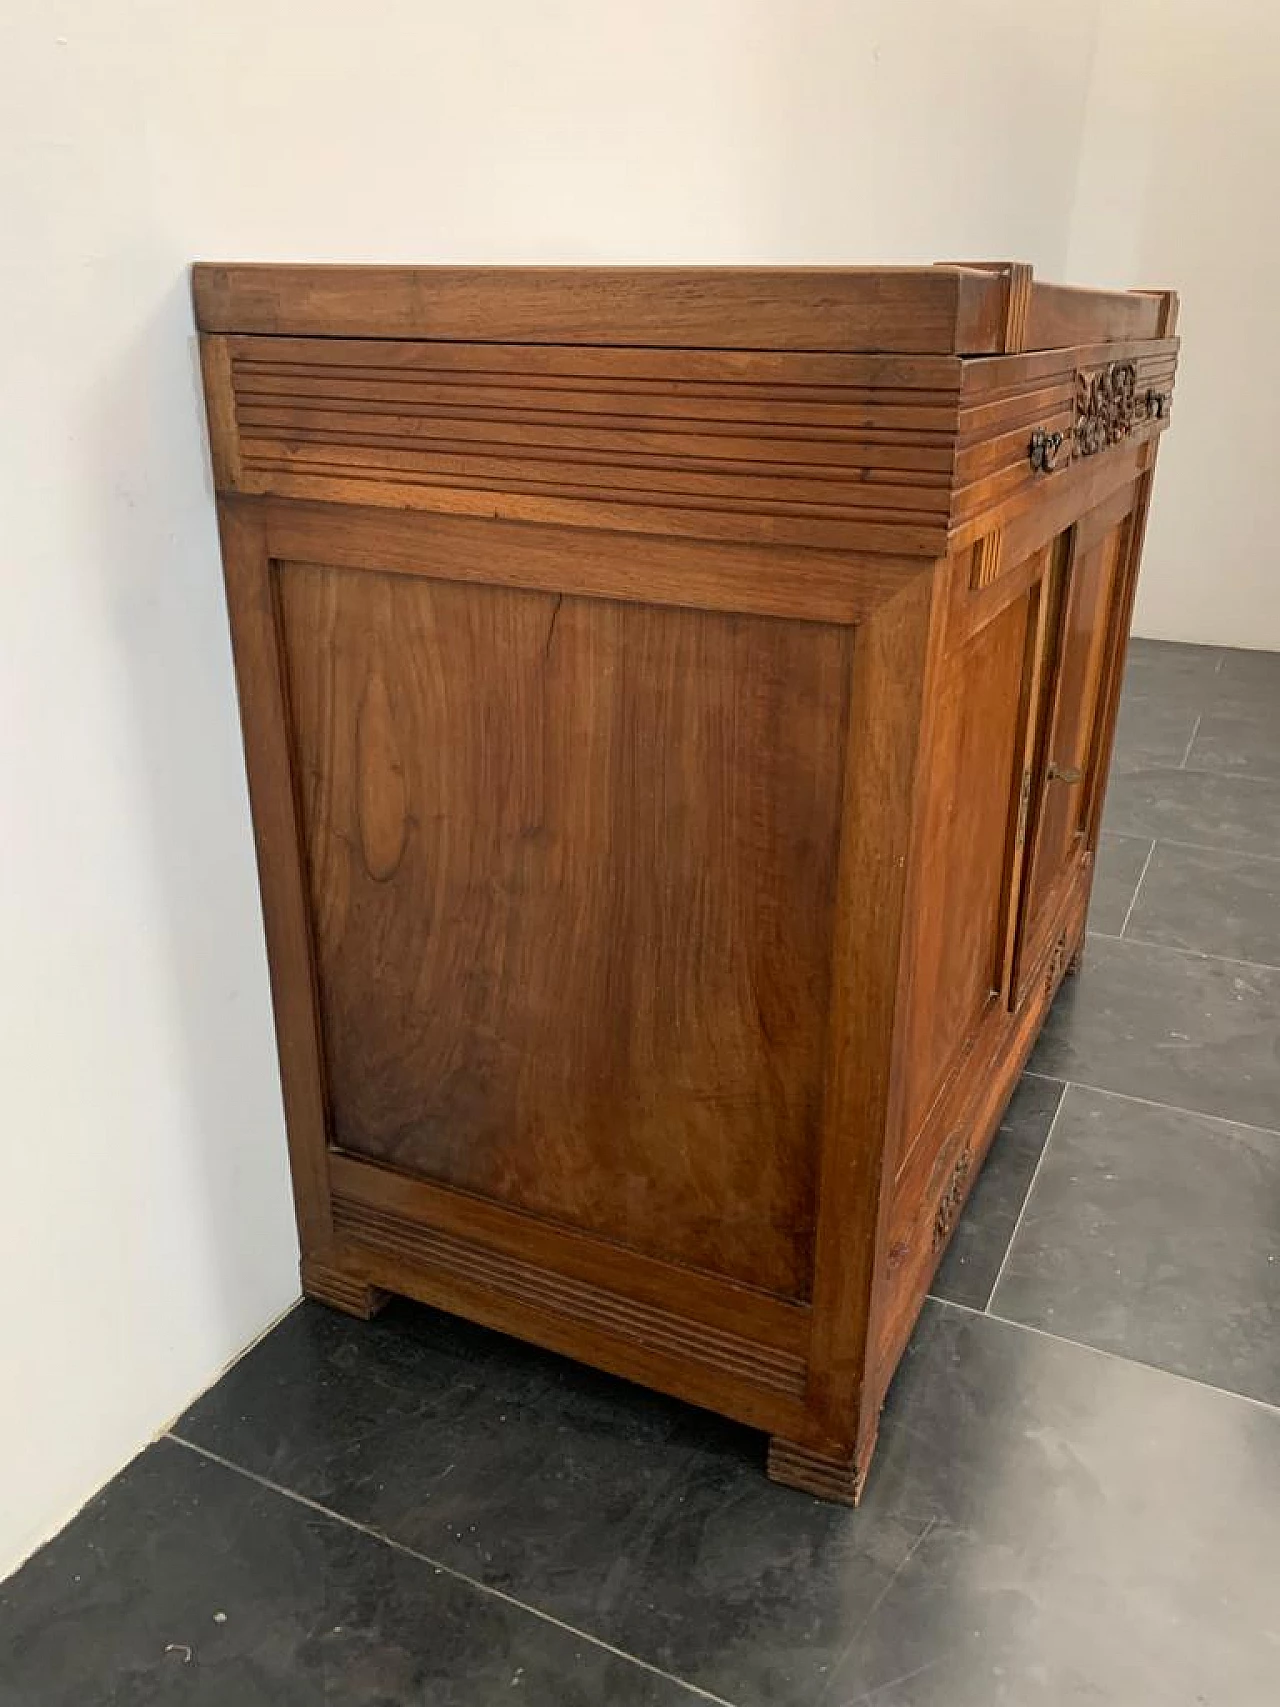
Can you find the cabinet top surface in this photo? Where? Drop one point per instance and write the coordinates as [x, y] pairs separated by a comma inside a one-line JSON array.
[[978, 309]]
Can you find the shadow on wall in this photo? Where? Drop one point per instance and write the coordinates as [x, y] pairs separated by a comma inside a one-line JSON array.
[[157, 554]]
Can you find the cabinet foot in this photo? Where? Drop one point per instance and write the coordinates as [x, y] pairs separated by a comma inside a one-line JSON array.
[[1077, 959], [341, 1291], [836, 1476]]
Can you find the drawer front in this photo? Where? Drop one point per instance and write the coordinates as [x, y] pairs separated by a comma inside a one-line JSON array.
[[756, 447], [1034, 426]]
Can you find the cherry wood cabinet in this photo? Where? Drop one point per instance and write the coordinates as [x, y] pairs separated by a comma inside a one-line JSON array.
[[677, 706]]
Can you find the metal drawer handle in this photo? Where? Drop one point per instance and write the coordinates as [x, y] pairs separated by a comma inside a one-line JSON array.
[[1064, 773], [1046, 450]]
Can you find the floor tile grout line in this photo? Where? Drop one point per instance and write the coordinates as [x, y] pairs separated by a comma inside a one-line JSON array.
[[1031, 1185], [1152, 1102], [1191, 743], [1132, 764], [1209, 770], [1113, 1356], [1201, 954], [445, 1570], [1174, 948], [930, 1525], [1133, 899], [1200, 847]]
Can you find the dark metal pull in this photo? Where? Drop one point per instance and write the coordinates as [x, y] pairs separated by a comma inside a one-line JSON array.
[[1064, 773], [1045, 450]]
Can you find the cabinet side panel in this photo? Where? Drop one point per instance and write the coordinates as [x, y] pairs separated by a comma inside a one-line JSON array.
[[892, 677], [256, 639], [572, 867]]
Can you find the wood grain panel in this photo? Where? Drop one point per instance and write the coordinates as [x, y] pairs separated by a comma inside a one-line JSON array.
[[1061, 315], [897, 655], [963, 1122], [749, 446], [913, 309], [489, 779], [990, 378], [278, 835], [965, 309], [672, 381], [1119, 624], [549, 1291], [1038, 515], [839, 587], [790, 526], [821, 451], [1006, 401], [969, 820], [726, 1305], [1069, 763]]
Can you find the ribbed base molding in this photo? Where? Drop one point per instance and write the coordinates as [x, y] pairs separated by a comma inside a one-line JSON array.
[[341, 1291], [384, 1234], [838, 1479]]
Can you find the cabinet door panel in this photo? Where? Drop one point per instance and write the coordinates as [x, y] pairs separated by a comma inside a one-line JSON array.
[[970, 816], [1082, 605]]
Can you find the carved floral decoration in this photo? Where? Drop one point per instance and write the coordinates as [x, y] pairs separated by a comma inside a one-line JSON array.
[[1106, 406]]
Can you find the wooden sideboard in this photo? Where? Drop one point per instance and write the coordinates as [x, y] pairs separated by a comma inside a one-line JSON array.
[[677, 706]]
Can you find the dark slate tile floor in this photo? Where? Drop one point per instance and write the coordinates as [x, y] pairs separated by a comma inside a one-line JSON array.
[[1213, 809], [1155, 1233], [1077, 1490], [973, 1259], [1210, 902], [1181, 1028], [187, 1581], [1121, 863]]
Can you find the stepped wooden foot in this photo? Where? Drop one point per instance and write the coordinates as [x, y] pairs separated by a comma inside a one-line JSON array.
[[830, 1477], [345, 1292], [1077, 959]]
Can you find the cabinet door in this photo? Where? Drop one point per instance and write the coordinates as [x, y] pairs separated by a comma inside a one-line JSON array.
[[961, 918], [1084, 602]]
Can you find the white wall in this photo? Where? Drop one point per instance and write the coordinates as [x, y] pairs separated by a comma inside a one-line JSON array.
[[145, 1229], [1178, 187]]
